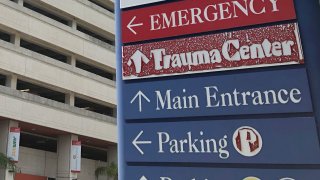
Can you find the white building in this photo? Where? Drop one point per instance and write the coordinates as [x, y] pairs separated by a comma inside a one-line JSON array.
[[57, 84]]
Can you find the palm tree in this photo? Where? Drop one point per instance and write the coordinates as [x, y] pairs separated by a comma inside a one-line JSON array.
[[7, 163], [110, 170]]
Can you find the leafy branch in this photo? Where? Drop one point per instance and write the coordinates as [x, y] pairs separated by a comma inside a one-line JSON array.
[[7, 163], [110, 170]]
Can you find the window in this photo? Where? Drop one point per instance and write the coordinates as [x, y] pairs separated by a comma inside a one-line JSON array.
[[43, 50], [94, 70], [93, 34], [2, 80], [40, 91], [46, 13], [5, 36], [38, 142], [94, 153], [94, 107], [108, 8]]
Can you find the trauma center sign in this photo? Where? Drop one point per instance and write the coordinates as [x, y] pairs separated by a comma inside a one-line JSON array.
[[258, 47]]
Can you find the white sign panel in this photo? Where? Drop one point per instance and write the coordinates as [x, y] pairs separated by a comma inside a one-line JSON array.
[[76, 157], [13, 144], [132, 3]]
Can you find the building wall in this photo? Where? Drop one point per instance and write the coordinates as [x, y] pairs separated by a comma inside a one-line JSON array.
[[88, 169], [18, 63], [37, 162], [23, 23], [43, 163], [47, 71], [40, 28], [36, 110]]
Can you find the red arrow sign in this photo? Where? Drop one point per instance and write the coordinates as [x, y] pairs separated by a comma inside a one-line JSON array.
[[251, 48], [194, 16]]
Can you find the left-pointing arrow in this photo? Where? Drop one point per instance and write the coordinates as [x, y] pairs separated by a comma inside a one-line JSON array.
[[136, 143], [131, 25]]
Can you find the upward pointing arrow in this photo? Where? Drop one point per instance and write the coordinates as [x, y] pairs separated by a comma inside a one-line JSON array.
[[140, 95], [138, 57], [143, 178]]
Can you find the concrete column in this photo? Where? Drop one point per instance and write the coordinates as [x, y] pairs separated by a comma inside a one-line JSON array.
[[112, 156], [4, 133], [20, 2], [115, 112], [64, 156], [73, 24], [72, 60], [70, 99], [12, 81], [16, 39]]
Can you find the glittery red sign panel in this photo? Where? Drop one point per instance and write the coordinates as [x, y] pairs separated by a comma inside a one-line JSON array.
[[259, 47]]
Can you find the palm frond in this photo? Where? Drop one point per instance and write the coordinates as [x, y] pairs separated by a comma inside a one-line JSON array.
[[7, 163], [110, 170], [4, 161], [101, 171]]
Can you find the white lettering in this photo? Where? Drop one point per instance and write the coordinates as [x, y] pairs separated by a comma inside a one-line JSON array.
[[193, 144], [155, 22], [214, 96], [212, 12], [252, 8], [165, 178], [274, 5]]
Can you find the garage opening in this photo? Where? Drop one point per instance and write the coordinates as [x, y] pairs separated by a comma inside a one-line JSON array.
[[40, 91], [94, 107], [5, 36], [43, 50], [94, 70], [2, 80], [46, 13], [95, 35]]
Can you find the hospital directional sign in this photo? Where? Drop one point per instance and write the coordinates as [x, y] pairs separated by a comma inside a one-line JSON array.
[[250, 141], [218, 89], [189, 17], [248, 93], [278, 45]]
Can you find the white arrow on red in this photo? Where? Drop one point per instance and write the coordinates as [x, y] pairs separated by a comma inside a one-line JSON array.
[[131, 25], [135, 142], [138, 57]]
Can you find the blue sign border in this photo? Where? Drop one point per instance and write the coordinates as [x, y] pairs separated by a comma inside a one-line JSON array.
[[308, 15], [188, 173], [283, 141]]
